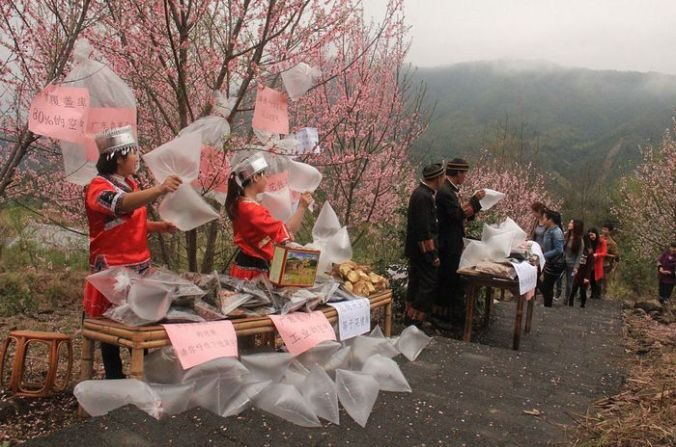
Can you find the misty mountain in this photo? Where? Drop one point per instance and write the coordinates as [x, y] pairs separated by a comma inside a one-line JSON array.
[[569, 121]]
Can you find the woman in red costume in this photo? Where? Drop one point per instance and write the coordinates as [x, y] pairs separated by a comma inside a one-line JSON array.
[[118, 222], [255, 230]]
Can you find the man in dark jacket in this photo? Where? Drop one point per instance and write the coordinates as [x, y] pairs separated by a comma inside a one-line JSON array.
[[452, 213], [421, 246]]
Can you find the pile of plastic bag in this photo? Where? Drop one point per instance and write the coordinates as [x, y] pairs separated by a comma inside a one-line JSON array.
[[303, 390]]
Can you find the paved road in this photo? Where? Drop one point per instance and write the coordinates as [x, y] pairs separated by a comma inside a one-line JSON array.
[[471, 394]]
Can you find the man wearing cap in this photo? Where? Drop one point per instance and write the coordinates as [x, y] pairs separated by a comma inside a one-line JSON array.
[[452, 213], [421, 246], [118, 222]]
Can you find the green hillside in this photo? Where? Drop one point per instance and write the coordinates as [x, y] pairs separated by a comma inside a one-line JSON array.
[[567, 120]]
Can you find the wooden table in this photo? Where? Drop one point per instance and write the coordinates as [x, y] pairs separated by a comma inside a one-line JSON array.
[[137, 339], [477, 280]]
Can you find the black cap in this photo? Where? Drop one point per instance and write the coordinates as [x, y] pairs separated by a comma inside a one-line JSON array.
[[433, 171], [457, 164]]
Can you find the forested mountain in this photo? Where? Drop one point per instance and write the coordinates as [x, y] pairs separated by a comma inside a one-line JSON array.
[[576, 124]]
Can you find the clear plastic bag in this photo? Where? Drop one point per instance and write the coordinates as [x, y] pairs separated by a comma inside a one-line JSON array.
[[339, 360], [326, 225], [114, 283], [125, 315], [106, 91], [363, 347], [213, 129], [387, 373], [473, 253], [242, 400], [320, 354], [303, 177], [286, 402], [98, 397], [174, 398], [180, 156], [266, 366], [214, 393], [339, 248], [357, 393], [278, 203], [227, 368], [186, 209], [295, 374], [162, 366], [320, 392], [412, 341], [299, 79], [149, 300]]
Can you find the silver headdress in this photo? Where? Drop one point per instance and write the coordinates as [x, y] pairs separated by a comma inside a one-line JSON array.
[[248, 168], [120, 139]]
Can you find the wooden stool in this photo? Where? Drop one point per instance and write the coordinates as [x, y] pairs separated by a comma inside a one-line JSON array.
[[23, 339]]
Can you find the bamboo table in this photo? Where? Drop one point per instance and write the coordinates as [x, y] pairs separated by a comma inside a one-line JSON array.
[[138, 339], [478, 280]]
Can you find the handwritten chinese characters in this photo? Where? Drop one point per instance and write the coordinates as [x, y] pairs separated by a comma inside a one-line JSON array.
[[354, 317], [302, 331], [271, 112], [197, 343], [60, 112]]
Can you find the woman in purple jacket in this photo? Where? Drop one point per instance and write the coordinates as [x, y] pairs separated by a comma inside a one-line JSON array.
[[665, 272]]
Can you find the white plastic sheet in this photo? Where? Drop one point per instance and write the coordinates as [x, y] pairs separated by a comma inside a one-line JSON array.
[[338, 247], [186, 209], [162, 366], [491, 198], [113, 283], [363, 347], [299, 79], [149, 300], [357, 393], [266, 366], [278, 203], [98, 397], [173, 397], [242, 400], [303, 177], [412, 341], [180, 156], [326, 225]]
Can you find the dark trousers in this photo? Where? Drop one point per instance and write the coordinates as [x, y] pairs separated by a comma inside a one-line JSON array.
[[112, 363], [547, 288], [422, 284], [583, 294], [595, 287], [450, 295], [665, 291]]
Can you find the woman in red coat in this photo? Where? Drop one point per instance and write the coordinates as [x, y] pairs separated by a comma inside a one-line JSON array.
[[600, 252], [255, 230], [118, 222]]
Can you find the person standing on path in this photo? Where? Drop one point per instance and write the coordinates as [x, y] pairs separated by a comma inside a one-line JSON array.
[[452, 211], [573, 251], [537, 230], [612, 257], [666, 270], [421, 248], [600, 251], [553, 253], [583, 275], [118, 222]]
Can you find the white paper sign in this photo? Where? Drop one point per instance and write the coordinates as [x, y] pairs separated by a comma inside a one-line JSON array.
[[308, 137], [490, 199], [528, 276], [354, 317]]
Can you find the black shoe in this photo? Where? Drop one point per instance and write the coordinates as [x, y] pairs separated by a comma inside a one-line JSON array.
[[441, 324], [581, 305]]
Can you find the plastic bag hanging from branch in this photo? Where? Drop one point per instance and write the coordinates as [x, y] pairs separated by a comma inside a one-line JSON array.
[[111, 104], [299, 79]]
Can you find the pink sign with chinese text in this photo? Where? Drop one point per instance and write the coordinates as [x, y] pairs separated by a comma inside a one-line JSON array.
[[60, 113], [102, 118], [197, 343], [271, 111], [277, 181], [302, 331]]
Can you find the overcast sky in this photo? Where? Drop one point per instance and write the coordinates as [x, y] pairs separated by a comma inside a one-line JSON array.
[[635, 35]]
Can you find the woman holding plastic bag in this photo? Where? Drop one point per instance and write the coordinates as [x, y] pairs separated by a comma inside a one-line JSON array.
[[118, 222], [255, 230]]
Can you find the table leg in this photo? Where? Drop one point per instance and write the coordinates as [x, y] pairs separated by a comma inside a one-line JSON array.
[[529, 314], [137, 363], [469, 315], [387, 329], [517, 322], [489, 303], [87, 362]]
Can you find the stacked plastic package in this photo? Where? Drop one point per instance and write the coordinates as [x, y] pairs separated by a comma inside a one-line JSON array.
[[303, 390]]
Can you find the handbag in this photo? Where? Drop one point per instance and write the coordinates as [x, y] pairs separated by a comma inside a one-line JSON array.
[[555, 266]]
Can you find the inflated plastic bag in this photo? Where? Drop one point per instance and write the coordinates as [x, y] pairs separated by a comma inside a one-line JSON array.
[[338, 247], [174, 398], [326, 225], [109, 97], [473, 253], [377, 332], [224, 367], [213, 129], [124, 314], [491, 199], [286, 402], [113, 283], [319, 354], [339, 360], [180, 156], [387, 373], [357, 393], [412, 341], [303, 177], [186, 209], [242, 400], [214, 393], [161, 366], [149, 300], [266, 366], [320, 392], [363, 347], [98, 397], [295, 374], [299, 79], [278, 203]]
